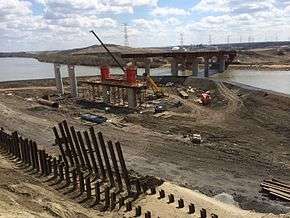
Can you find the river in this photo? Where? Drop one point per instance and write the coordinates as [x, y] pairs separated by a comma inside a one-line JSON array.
[[27, 68]]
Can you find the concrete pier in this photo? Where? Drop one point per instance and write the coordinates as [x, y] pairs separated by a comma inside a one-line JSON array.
[[174, 67], [132, 98], [73, 81], [195, 67], [222, 64], [206, 67], [58, 79], [148, 62]]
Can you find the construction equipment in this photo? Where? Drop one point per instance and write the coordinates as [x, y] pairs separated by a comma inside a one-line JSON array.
[[110, 53], [157, 91], [205, 98]]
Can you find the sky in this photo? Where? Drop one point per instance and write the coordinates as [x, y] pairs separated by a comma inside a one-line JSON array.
[[33, 25]]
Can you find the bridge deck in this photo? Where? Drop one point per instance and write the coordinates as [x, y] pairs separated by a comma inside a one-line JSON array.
[[176, 54]]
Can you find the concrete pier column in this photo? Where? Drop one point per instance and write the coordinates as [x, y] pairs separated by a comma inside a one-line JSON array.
[[58, 79], [206, 67], [174, 67], [182, 67], [148, 61], [132, 98], [73, 80], [195, 67], [222, 64]]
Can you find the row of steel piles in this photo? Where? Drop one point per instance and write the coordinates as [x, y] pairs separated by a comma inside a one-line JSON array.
[[101, 164], [25, 153], [89, 169]]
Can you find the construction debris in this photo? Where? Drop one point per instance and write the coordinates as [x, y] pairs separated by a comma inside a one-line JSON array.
[[48, 103], [183, 94], [159, 108], [205, 98], [195, 138], [276, 188], [94, 118]]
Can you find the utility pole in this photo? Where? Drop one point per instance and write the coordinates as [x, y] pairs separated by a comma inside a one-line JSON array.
[[241, 40]]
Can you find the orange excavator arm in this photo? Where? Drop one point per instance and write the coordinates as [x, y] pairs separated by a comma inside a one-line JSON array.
[[157, 91]]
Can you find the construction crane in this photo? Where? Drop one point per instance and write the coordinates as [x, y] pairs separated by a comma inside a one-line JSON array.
[[157, 91]]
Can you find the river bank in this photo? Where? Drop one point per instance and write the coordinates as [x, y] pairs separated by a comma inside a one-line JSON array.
[[269, 67]]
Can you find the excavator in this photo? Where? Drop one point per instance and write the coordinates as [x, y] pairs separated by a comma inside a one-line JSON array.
[[157, 91]]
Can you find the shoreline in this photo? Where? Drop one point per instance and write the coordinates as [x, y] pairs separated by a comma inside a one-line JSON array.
[[50, 82], [272, 67], [242, 66]]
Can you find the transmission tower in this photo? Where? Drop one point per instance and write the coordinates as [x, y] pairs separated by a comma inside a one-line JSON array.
[[181, 39], [209, 39], [126, 38]]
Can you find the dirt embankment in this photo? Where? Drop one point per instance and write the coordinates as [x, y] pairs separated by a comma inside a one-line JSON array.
[[22, 196], [245, 138], [263, 59]]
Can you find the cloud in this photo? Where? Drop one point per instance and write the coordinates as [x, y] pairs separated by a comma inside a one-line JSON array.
[[212, 5], [234, 6], [10, 9], [51, 24], [167, 11]]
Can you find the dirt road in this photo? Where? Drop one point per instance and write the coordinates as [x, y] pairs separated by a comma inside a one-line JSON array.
[[245, 133]]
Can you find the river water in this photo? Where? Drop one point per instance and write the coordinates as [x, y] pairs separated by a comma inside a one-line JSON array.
[[27, 68]]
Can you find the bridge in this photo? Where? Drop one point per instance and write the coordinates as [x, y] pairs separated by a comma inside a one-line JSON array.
[[218, 60]]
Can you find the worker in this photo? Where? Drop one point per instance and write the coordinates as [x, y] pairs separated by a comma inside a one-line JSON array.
[[205, 98]]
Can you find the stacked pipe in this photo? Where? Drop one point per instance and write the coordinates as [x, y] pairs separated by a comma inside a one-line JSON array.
[[276, 189]]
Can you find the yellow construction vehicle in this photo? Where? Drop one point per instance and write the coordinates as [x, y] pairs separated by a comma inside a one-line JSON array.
[[157, 91]]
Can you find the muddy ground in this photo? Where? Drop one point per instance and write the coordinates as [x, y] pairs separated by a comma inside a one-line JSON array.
[[245, 136]]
